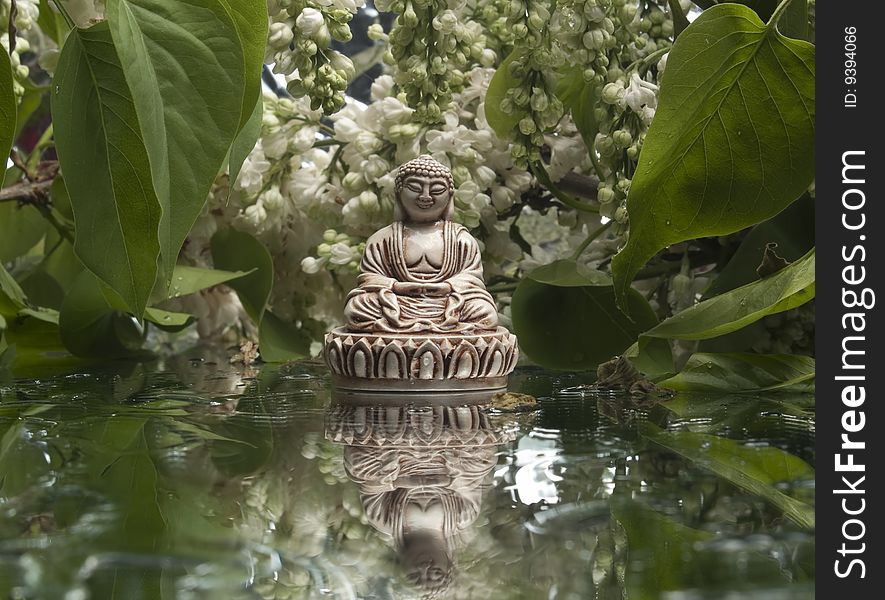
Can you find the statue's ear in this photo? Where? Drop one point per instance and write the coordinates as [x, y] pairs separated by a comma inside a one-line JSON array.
[[450, 209], [397, 208]]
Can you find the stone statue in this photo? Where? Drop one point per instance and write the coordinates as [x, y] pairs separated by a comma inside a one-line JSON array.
[[421, 311]]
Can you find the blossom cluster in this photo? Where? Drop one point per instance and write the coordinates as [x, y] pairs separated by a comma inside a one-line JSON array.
[[317, 185], [26, 15], [299, 38]]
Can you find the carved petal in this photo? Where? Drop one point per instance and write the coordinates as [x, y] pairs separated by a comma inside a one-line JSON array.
[[427, 362], [393, 363], [360, 362], [464, 363]]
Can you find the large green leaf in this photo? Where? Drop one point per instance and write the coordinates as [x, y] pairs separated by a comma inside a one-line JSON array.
[[194, 67], [7, 109], [744, 372], [91, 327], [790, 287], [501, 122], [245, 142], [106, 166], [732, 143], [566, 318], [580, 98], [793, 232], [21, 227], [234, 250], [758, 470], [187, 280]]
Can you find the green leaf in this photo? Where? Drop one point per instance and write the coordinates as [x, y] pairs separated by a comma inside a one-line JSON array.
[[234, 250], [187, 280], [732, 143], [793, 232], [279, 341], [794, 22], [91, 327], [755, 469], [7, 109], [194, 68], [502, 123], [680, 21], [52, 23], [790, 287], [21, 227], [168, 320], [580, 98], [565, 317], [106, 166], [744, 372], [245, 142], [12, 298]]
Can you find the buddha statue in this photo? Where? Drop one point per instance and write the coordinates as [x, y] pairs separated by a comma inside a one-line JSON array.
[[423, 273], [420, 311]]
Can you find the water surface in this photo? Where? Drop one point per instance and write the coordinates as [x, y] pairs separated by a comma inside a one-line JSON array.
[[190, 478]]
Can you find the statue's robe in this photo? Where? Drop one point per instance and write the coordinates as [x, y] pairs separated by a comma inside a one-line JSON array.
[[373, 306]]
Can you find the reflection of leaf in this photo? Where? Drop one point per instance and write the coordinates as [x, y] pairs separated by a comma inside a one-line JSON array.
[[788, 288], [732, 143], [665, 555], [754, 469], [744, 372], [565, 317]]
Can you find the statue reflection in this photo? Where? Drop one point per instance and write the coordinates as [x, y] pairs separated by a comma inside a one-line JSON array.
[[421, 469]]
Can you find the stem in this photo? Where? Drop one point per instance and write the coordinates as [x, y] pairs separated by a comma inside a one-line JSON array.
[[541, 174], [43, 142], [326, 143], [776, 15], [642, 62], [65, 14], [589, 240]]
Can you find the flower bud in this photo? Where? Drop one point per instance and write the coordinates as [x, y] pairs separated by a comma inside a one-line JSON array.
[[527, 126], [309, 22], [280, 35]]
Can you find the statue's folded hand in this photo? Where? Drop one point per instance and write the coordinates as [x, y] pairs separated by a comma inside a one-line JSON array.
[[417, 289]]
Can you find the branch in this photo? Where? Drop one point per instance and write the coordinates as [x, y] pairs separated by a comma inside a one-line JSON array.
[[27, 192]]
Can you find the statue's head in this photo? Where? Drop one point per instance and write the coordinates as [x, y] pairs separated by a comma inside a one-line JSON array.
[[425, 191]]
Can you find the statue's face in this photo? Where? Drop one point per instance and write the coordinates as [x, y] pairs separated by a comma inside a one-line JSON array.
[[424, 199]]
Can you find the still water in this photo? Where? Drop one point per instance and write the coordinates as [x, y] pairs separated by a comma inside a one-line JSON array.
[[190, 478]]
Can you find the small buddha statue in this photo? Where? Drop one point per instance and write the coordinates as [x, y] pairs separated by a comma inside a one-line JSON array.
[[422, 273], [420, 317]]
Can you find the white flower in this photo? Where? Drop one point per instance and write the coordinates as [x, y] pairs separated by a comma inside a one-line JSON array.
[[310, 22], [251, 176], [662, 64], [382, 87], [341, 254], [255, 215], [640, 93], [311, 265]]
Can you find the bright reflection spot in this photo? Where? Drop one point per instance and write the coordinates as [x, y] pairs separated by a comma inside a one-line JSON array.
[[535, 480]]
